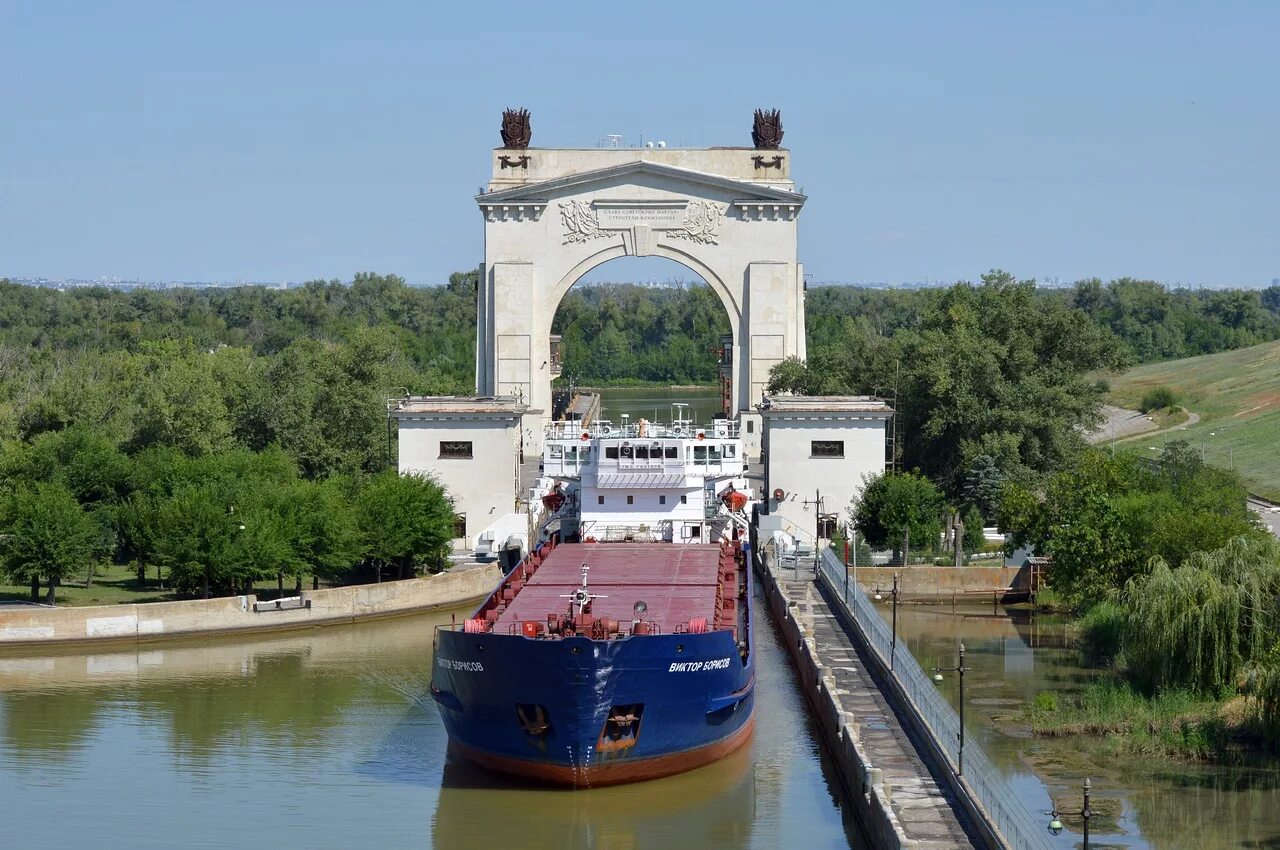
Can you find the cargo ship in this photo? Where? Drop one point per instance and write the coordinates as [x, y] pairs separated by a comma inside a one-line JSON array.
[[621, 649]]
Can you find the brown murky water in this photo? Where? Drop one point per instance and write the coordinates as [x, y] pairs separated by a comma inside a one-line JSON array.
[[327, 738], [1158, 803]]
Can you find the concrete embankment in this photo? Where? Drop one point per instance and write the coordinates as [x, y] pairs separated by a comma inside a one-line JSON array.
[[898, 802], [944, 584], [153, 621]]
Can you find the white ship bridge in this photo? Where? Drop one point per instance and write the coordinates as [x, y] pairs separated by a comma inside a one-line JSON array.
[[641, 480]]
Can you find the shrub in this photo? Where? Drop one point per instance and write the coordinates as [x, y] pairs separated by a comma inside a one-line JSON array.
[[1101, 633], [1159, 398]]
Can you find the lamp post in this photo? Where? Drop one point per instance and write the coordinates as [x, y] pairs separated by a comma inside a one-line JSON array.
[[937, 677], [893, 595], [1055, 825]]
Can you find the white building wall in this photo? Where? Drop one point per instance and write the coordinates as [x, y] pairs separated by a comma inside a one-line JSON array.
[[791, 466], [482, 487]]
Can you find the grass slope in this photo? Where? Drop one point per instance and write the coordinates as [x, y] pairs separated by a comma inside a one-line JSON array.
[[1236, 393]]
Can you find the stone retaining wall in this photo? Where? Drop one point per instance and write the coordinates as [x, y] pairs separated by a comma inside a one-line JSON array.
[[861, 781], [941, 584], [151, 621]]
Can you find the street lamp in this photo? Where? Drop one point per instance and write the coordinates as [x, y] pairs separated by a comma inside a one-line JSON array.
[[937, 677], [1055, 825], [893, 647]]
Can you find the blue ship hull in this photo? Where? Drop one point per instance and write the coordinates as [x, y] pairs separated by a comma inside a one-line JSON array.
[[546, 708]]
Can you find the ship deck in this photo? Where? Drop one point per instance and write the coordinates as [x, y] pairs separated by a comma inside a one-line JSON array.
[[676, 581]]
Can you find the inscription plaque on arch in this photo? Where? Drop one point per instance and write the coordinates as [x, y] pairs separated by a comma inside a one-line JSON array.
[[621, 215]]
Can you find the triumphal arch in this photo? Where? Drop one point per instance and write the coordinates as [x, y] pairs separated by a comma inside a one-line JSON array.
[[552, 214]]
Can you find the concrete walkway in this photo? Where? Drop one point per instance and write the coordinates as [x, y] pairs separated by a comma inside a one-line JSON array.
[[924, 810]]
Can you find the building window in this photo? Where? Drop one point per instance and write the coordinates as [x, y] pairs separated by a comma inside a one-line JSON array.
[[826, 448], [599, 500], [631, 500], [459, 525], [751, 426], [459, 449], [662, 500]]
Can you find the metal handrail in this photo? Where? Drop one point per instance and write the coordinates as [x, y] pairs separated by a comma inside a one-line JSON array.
[[1005, 811]]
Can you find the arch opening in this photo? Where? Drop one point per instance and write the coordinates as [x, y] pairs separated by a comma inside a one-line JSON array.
[[649, 322]]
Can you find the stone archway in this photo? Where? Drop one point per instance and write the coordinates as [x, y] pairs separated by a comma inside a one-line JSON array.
[[551, 215]]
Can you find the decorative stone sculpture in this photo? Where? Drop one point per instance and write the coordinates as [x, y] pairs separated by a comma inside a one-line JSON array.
[[516, 130], [767, 132]]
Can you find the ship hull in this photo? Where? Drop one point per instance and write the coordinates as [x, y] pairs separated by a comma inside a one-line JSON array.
[[542, 709]]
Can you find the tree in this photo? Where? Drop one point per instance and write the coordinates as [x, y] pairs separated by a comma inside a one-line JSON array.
[[193, 538], [974, 539], [894, 507], [322, 528], [983, 482], [405, 520], [791, 376], [47, 535]]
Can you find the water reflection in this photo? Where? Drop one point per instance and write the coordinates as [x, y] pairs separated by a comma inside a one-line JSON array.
[[326, 738], [1163, 804], [709, 807]]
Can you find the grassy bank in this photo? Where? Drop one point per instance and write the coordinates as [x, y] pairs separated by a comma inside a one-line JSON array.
[[1236, 393], [114, 584], [1173, 724]]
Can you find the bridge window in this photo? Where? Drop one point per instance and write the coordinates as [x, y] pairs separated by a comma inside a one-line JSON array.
[[642, 452], [699, 453], [826, 448], [557, 451], [611, 452], [730, 450], [457, 449], [673, 452]]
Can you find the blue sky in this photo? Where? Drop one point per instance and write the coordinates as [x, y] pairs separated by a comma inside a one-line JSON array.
[[289, 141]]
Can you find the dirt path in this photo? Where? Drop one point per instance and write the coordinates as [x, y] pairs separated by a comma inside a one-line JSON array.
[[1192, 418]]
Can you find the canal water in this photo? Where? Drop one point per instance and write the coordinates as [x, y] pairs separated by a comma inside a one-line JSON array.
[[328, 739], [1146, 802], [654, 403]]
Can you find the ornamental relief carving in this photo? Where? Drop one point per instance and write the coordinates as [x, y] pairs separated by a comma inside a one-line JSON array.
[[702, 220], [698, 221], [580, 222]]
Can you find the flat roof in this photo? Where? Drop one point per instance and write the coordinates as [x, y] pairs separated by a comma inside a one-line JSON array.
[[824, 404], [458, 404]]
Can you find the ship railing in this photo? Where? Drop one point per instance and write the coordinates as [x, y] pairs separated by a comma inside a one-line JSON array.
[[986, 785], [517, 628], [605, 429]]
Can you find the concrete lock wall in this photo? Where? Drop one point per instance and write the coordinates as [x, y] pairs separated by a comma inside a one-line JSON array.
[[861, 781], [152, 621], [942, 584]]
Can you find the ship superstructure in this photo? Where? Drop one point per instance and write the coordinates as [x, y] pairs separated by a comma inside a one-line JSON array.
[[644, 481]]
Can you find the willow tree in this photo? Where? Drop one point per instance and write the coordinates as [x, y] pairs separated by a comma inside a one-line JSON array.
[[1199, 625]]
